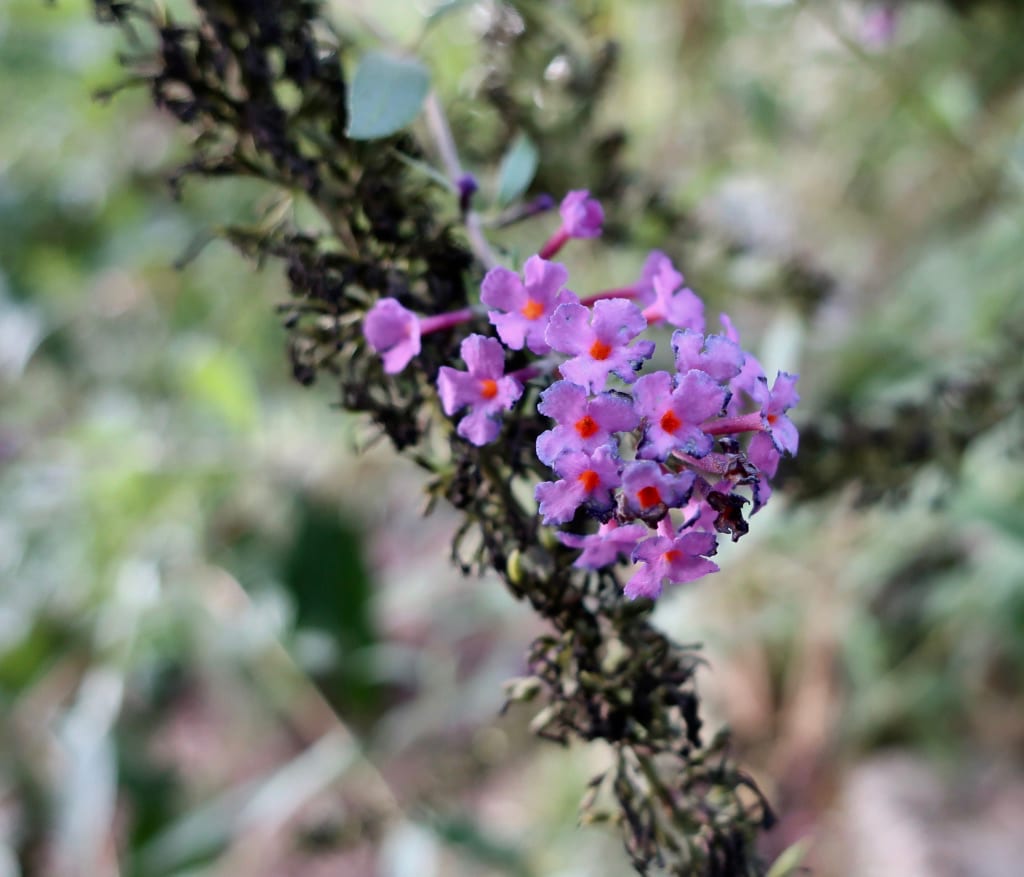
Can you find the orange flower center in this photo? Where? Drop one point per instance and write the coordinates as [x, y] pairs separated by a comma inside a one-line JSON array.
[[586, 427], [772, 418], [589, 479], [488, 388], [532, 310], [648, 497], [671, 556], [669, 422], [599, 350]]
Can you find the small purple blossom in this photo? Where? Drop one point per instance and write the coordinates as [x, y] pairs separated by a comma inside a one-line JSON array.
[[715, 354], [598, 341], [522, 310], [608, 545], [582, 216], [394, 332], [779, 435], [672, 557], [673, 417], [484, 388], [649, 491], [583, 424], [659, 287], [585, 479], [878, 28]]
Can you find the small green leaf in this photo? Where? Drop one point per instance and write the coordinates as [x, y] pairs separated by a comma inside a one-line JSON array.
[[387, 93], [517, 170], [789, 861]]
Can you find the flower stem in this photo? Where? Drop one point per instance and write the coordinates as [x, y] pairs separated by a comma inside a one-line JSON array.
[[554, 244], [444, 321]]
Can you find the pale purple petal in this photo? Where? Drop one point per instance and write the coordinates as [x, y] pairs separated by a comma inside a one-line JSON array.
[[717, 355], [457, 389], [479, 427], [651, 394], [569, 329], [544, 279], [698, 397], [559, 500], [617, 320], [609, 544], [614, 412], [582, 216], [563, 401], [394, 332], [502, 288], [484, 357]]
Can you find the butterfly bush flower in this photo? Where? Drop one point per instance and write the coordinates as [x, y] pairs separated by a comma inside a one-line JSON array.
[[649, 491], [585, 479], [598, 341], [582, 217], [521, 310], [780, 435], [583, 424], [670, 556], [673, 412], [394, 332], [659, 289], [666, 467], [484, 388], [721, 358], [609, 544]]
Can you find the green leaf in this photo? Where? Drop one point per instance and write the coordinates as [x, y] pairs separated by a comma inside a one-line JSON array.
[[789, 861], [517, 170], [387, 93]]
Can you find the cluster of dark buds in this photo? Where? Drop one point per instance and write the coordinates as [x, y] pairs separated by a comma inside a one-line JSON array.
[[663, 461]]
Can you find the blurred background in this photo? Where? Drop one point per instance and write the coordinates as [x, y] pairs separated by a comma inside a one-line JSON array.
[[231, 645]]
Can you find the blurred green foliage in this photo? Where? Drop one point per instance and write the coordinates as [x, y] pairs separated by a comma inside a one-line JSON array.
[[173, 509]]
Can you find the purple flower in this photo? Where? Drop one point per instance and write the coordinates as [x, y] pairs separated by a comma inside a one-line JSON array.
[[582, 216], [394, 332], [585, 478], [715, 354], [659, 288], [780, 434], [582, 424], [611, 542], [522, 310], [599, 346], [879, 26], [673, 417], [648, 491], [672, 557], [484, 388]]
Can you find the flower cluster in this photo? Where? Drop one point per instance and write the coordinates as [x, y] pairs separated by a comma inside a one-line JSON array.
[[664, 460]]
